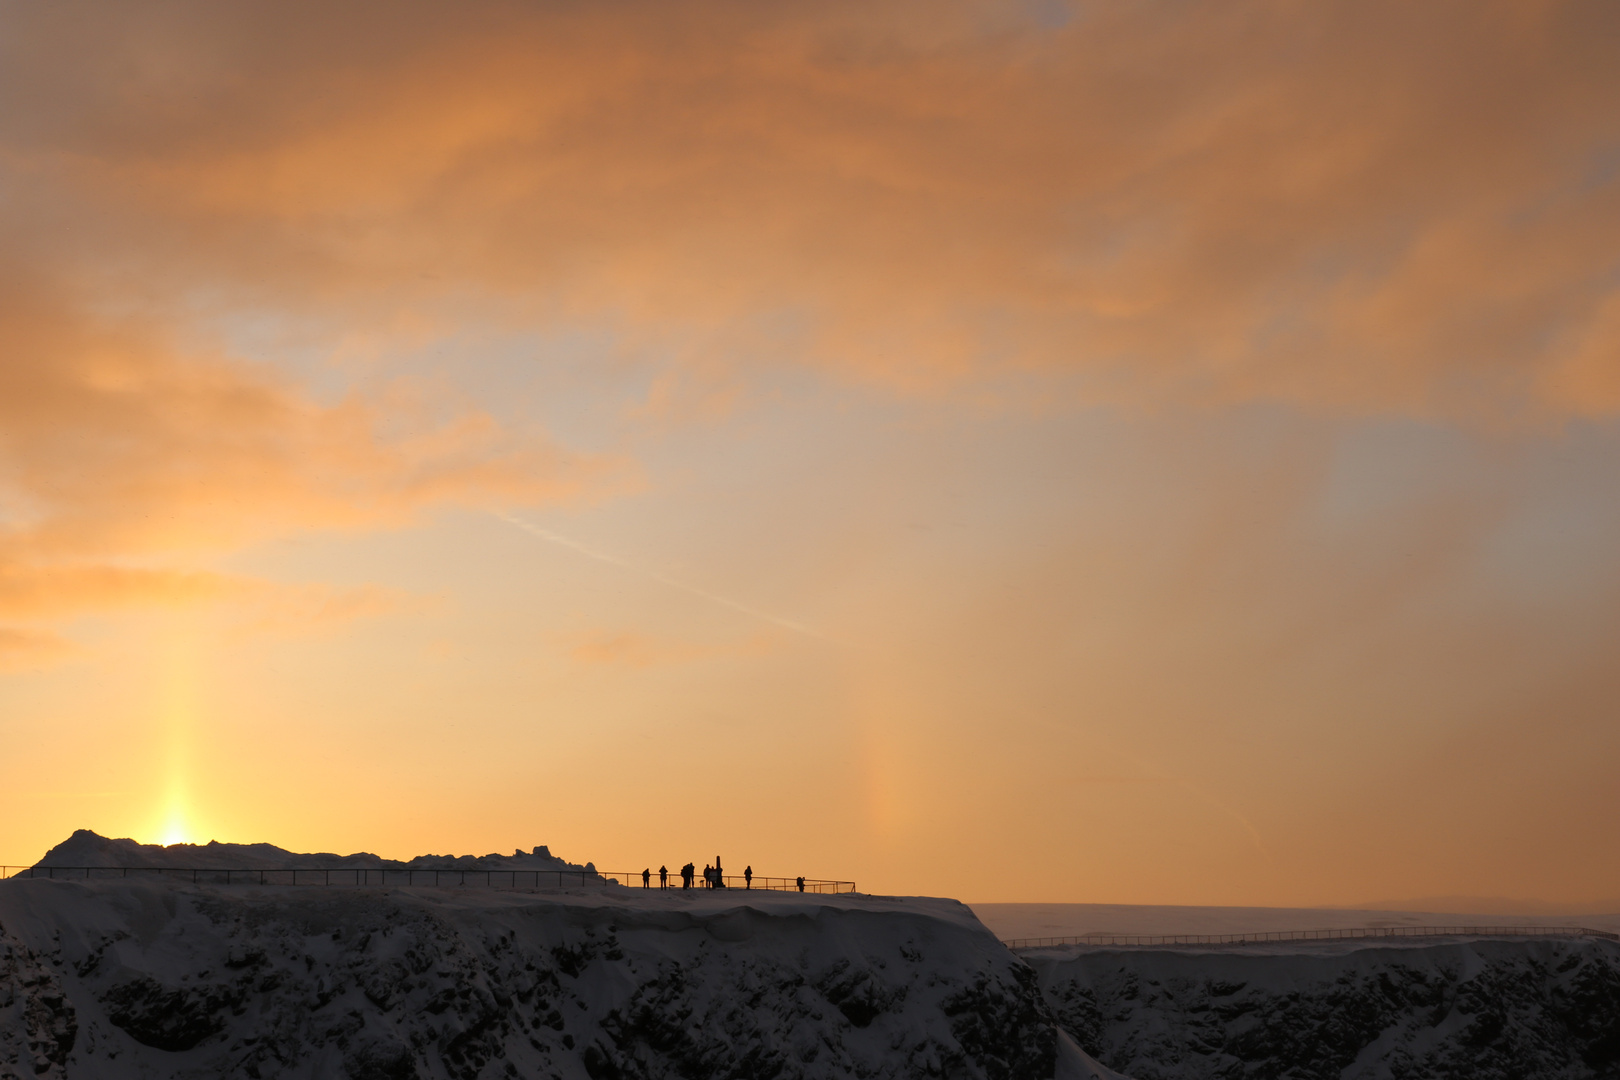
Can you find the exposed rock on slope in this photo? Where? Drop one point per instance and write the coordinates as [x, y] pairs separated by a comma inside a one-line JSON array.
[[1468, 1010], [145, 978], [38, 1027]]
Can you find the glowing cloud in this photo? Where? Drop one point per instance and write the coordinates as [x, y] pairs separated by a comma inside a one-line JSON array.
[[1378, 206]]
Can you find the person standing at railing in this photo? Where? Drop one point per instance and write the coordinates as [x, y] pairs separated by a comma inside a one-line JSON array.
[[646, 878], [663, 877], [708, 876], [801, 883], [748, 877], [687, 873]]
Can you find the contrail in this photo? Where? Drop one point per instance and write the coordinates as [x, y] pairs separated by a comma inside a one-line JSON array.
[[612, 560]]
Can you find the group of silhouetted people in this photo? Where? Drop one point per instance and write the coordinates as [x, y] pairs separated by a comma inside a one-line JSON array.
[[713, 877]]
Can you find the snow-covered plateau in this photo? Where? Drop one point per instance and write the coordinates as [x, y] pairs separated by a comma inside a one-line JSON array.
[[146, 977], [157, 977]]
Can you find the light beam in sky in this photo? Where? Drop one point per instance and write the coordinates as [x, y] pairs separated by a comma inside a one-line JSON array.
[[178, 718]]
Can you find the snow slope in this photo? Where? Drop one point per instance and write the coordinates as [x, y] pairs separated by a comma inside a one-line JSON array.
[[153, 978]]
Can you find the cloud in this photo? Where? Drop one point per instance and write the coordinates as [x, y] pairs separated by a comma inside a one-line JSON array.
[[27, 649], [626, 649], [54, 591], [130, 456], [1364, 207], [319, 607], [45, 593], [111, 440], [629, 648]]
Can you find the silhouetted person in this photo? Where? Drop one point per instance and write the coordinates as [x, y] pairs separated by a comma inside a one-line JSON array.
[[708, 876], [801, 883], [687, 872], [748, 877], [663, 877], [646, 878]]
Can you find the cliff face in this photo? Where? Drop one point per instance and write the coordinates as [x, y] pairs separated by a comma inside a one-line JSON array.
[[1468, 1010], [150, 979]]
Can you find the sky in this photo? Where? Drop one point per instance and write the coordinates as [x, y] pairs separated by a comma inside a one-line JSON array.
[[1154, 452]]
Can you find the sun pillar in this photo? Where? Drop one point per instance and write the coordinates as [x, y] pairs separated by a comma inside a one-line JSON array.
[[178, 703]]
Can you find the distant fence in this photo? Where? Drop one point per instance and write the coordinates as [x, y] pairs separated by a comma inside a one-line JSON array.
[[404, 876], [1372, 934]]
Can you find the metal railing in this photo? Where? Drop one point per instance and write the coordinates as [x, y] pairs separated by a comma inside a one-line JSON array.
[[770, 884], [413, 876], [1260, 938]]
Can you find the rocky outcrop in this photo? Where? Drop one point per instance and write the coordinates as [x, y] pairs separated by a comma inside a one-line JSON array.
[[39, 1027]]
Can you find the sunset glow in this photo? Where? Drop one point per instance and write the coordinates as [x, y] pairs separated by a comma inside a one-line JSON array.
[[175, 831], [1149, 453]]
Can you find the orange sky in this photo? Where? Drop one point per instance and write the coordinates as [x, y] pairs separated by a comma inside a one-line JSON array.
[[1159, 452]]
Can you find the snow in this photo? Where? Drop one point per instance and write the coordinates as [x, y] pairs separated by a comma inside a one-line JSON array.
[[1464, 1009], [161, 978], [1074, 1063], [153, 977]]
